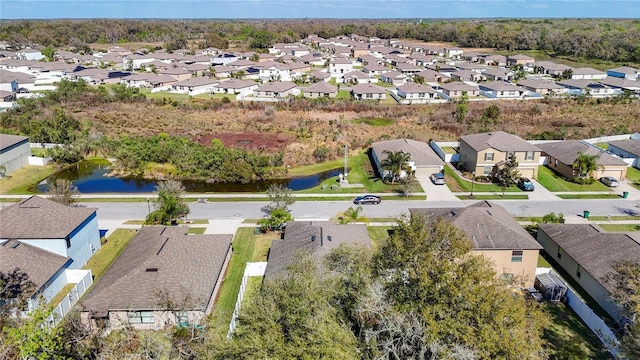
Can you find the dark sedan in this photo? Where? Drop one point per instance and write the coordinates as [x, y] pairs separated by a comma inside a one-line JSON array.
[[367, 199]]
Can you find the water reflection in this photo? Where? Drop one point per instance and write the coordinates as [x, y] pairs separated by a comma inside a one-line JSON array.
[[90, 178]]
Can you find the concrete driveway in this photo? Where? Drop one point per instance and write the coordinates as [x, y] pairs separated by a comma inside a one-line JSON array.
[[541, 192], [436, 192]]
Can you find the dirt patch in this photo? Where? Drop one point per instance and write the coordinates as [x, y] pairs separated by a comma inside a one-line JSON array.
[[249, 141]]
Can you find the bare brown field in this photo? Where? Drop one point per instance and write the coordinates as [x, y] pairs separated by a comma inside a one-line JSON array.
[[133, 46]]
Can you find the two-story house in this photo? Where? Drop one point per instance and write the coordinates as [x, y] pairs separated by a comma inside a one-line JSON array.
[[479, 153]]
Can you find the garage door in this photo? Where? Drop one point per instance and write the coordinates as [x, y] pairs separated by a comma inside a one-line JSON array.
[[426, 171], [526, 173]]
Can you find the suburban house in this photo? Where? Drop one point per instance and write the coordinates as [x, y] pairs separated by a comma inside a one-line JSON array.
[[319, 75], [457, 89], [495, 60], [338, 66], [375, 69], [316, 238], [502, 90], [586, 87], [626, 149], [147, 80], [408, 68], [587, 73], [494, 234], [588, 255], [223, 71], [466, 75], [417, 93], [194, 86], [551, 68], [429, 76], [275, 90], [357, 77], [454, 52], [47, 240], [620, 84], [423, 162], [624, 72], [542, 87], [368, 92], [499, 74], [394, 78], [177, 73], [519, 59], [30, 54], [479, 153], [320, 89], [164, 277], [562, 154], [235, 86], [14, 153]]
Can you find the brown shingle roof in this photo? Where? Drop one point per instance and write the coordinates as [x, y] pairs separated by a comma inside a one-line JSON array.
[[312, 237], [321, 87], [595, 251], [498, 140], [367, 89], [631, 146], [567, 151], [161, 259], [40, 218], [487, 225], [420, 151]]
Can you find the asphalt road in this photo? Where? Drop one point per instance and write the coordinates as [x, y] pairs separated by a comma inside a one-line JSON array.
[[112, 212]]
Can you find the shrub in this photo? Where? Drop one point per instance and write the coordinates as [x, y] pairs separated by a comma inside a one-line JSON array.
[[584, 181], [321, 153]]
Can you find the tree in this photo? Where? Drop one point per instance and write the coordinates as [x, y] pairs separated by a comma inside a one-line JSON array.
[[351, 215], [395, 163], [275, 219], [36, 337], [277, 211], [427, 266], [507, 174], [63, 192], [584, 165], [552, 218], [15, 291], [321, 153], [462, 107], [169, 203], [627, 297]]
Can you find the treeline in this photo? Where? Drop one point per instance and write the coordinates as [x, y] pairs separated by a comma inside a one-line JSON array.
[[605, 39]]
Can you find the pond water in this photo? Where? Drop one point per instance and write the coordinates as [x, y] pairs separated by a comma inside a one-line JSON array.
[[91, 178]]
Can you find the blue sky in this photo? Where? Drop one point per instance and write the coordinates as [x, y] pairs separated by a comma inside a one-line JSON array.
[[47, 9]]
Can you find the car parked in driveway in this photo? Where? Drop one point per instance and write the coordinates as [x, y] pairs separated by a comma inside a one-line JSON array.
[[525, 184], [610, 181], [437, 178], [367, 199]]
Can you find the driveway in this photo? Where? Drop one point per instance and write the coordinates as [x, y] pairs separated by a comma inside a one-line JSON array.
[[541, 193], [436, 192]]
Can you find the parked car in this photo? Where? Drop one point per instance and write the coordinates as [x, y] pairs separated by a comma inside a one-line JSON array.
[[22, 90], [437, 178], [367, 199], [610, 181], [525, 184]]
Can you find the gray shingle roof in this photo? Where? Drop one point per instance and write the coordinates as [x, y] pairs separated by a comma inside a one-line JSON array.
[[7, 141], [410, 88], [276, 86], [321, 87], [40, 218], [39, 264], [421, 152], [367, 89], [161, 259], [487, 225], [312, 237], [567, 151], [595, 251], [498, 140], [458, 86], [629, 145]]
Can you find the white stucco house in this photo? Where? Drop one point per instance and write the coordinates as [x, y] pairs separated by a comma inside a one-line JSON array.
[[14, 153]]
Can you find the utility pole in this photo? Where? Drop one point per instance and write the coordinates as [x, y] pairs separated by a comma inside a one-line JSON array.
[[346, 159]]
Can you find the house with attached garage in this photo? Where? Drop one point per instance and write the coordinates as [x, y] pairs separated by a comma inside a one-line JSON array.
[[479, 153], [357, 77], [408, 68], [551, 68], [47, 240], [587, 73], [276, 89], [519, 59], [542, 86], [375, 69], [30, 54], [466, 75], [314, 238], [194, 86], [495, 60], [394, 78], [339, 66], [235, 86], [456, 89], [624, 72], [587, 87], [502, 90], [14, 153], [621, 84], [368, 92], [499, 74], [416, 93], [588, 255], [164, 277], [562, 154], [626, 149], [320, 90], [494, 234], [423, 162]]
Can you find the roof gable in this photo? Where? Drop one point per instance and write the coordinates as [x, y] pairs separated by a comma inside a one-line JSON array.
[[498, 140]]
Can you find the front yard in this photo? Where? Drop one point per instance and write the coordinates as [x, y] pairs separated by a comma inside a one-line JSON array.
[[556, 182], [456, 184]]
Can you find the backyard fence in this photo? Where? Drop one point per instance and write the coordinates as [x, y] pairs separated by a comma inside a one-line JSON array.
[[252, 269], [83, 280]]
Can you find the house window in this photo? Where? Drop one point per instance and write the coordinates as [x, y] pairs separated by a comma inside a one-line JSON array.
[[488, 156], [556, 162], [559, 253], [486, 170], [529, 155], [182, 317], [579, 271], [141, 317], [516, 256], [68, 240], [509, 153]]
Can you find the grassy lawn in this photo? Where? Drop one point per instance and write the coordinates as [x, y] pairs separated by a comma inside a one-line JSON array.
[[253, 286], [21, 180], [40, 152], [556, 182], [448, 150], [567, 328], [343, 95], [633, 175], [542, 262], [61, 295], [101, 260], [316, 168], [493, 197], [589, 196], [196, 230], [460, 185], [163, 94], [247, 247], [620, 227], [378, 234], [374, 121], [615, 218], [602, 145]]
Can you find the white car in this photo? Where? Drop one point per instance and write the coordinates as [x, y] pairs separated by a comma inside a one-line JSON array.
[[610, 181]]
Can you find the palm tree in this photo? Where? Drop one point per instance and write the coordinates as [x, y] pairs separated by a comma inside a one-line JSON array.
[[351, 215], [585, 165], [395, 162]]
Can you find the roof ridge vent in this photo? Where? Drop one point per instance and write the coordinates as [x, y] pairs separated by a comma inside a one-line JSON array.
[[152, 269]]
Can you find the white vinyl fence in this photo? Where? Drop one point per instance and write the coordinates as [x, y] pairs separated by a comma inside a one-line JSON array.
[[252, 269], [83, 280]]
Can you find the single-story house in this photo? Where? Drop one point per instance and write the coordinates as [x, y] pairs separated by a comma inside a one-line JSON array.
[[542, 87], [14, 153], [375, 69], [466, 75], [148, 80], [368, 92], [194, 86], [164, 277], [356, 77], [320, 89], [587, 73], [235, 86], [499, 74], [562, 154], [416, 92], [277, 89], [198, 69], [319, 75], [429, 76], [456, 89], [495, 60], [519, 59], [494, 234], [479, 153], [316, 238], [621, 84], [501, 89], [394, 78], [177, 73], [551, 68], [408, 68], [624, 72], [423, 162], [588, 255], [223, 71], [585, 86], [626, 149]]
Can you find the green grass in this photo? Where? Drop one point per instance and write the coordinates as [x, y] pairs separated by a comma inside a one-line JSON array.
[[40, 152], [374, 121], [448, 150], [542, 262], [542, 55], [463, 185], [163, 94], [200, 221], [133, 222], [566, 327], [316, 168], [602, 145], [378, 234], [620, 227], [196, 230], [343, 95], [556, 182], [493, 197], [615, 218], [633, 175], [19, 181], [61, 295], [588, 196], [107, 254], [247, 247], [253, 287]]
